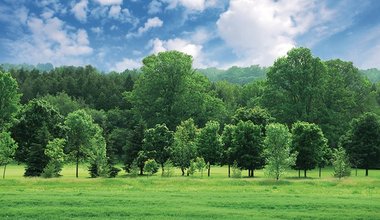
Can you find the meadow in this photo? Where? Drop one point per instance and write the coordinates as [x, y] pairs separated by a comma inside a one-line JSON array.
[[215, 197]]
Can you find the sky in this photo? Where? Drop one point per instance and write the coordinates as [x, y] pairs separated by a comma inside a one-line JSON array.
[[114, 35]]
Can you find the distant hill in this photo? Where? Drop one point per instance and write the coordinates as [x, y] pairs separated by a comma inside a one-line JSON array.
[[372, 74], [238, 75], [43, 67]]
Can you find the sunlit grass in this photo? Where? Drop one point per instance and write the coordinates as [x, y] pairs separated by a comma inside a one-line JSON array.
[[217, 197]]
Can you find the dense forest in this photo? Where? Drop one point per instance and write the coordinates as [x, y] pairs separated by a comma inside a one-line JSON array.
[[167, 114]]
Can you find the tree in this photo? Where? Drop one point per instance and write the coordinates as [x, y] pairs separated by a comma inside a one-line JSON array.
[[228, 151], [294, 87], [341, 163], [277, 150], [200, 164], [158, 90], [362, 141], [209, 144], [64, 103], [134, 146], [157, 143], [38, 124], [97, 155], [7, 149], [151, 166], [9, 100], [345, 97], [54, 151], [257, 115], [81, 130], [184, 146], [170, 91], [308, 141], [248, 142]]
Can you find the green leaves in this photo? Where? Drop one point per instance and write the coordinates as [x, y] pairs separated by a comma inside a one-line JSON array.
[[9, 100]]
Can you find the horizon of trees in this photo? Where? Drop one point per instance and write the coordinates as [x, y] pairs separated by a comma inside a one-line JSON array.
[[169, 112]]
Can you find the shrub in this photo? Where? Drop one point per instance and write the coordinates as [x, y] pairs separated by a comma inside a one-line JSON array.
[[168, 169], [236, 171], [151, 166]]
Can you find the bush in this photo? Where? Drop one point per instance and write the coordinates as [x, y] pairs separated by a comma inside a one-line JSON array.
[[50, 171], [236, 171], [134, 169], [341, 163], [151, 166], [168, 169]]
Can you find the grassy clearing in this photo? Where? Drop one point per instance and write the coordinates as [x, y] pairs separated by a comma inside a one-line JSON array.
[[179, 197]]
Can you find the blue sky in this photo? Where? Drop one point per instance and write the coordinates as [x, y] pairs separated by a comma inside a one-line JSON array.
[[117, 34]]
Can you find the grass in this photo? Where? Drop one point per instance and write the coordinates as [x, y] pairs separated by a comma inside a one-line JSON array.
[[179, 197]]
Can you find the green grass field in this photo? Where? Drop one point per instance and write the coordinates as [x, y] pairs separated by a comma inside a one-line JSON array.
[[179, 197]]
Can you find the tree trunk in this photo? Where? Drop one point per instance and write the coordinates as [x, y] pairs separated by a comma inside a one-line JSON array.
[[299, 173], [304, 173], [141, 170], [5, 167], [229, 170], [76, 169], [320, 172], [183, 171], [277, 176], [253, 173], [366, 171], [208, 172], [356, 171]]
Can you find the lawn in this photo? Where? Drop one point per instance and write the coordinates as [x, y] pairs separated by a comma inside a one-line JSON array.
[[217, 197]]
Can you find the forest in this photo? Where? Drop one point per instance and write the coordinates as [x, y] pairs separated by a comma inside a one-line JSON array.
[[301, 113]]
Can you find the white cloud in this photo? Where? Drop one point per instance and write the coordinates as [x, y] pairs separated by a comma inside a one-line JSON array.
[[115, 11], [110, 2], [80, 10], [50, 40], [195, 50], [126, 63], [97, 30], [149, 24], [259, 31], [192, 5], [154, 7]]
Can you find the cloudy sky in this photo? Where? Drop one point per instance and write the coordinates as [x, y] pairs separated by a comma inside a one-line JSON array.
[[117, 34]]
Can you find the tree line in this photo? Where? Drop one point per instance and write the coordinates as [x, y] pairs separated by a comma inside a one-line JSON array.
[[305, 114]]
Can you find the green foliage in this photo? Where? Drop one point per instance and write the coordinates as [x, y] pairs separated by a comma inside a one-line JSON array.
[[346, 96], [372, 74], [341, 163], [54, 151], [7, 149], [64, 103], [168, 169], [228, 152], [362, 141], [134, 145], [38, 123], [209, 144], [84, 139], [157, 143], [9, 100], [236, 171], [248, 143], [308, 140], [184, 145], [97, 156], [277, 150], [200, 165], [134, 169], [237, 75], [151, 166], [294, 87], [169, 91]]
